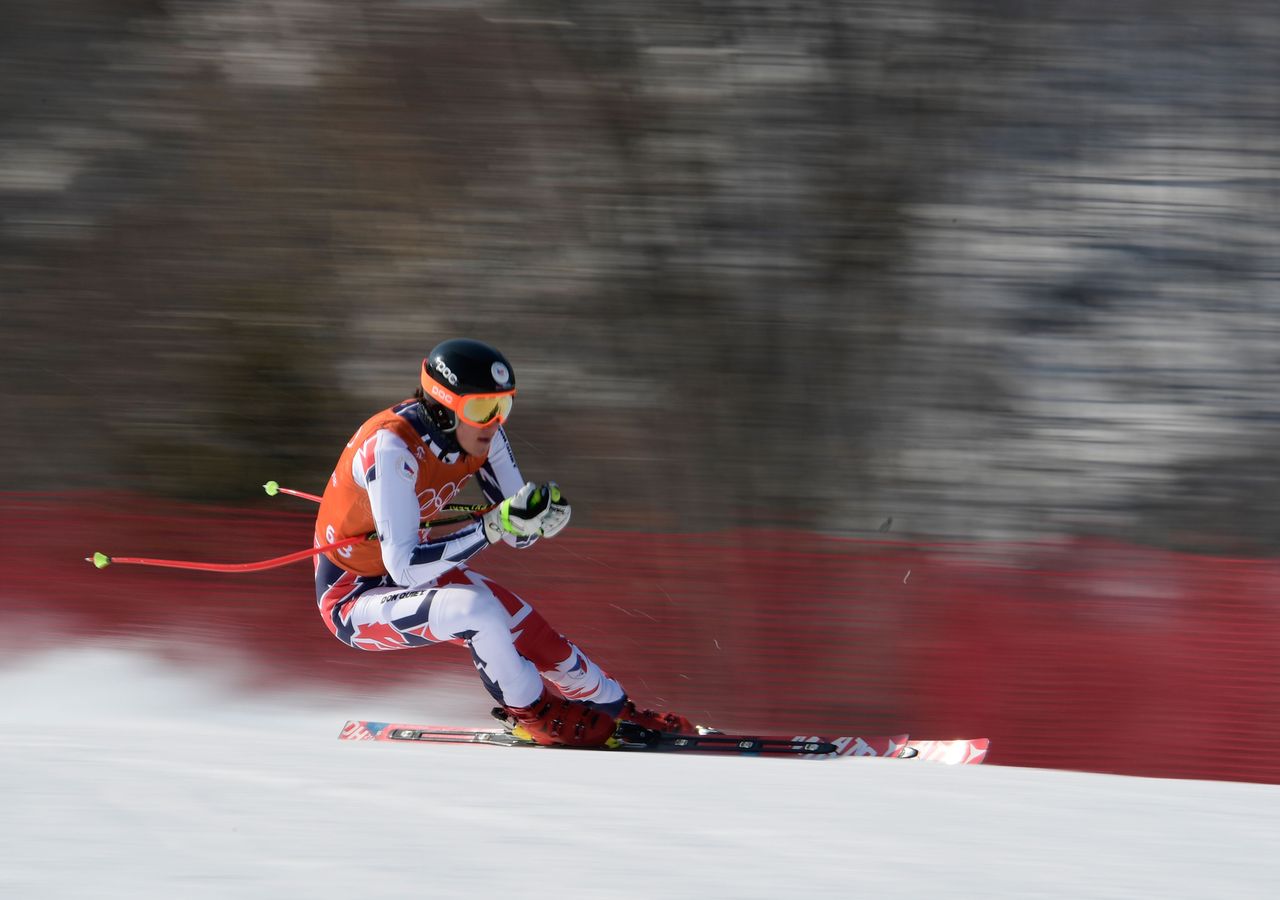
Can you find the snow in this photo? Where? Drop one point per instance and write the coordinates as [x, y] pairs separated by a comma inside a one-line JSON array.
[[128, 777]]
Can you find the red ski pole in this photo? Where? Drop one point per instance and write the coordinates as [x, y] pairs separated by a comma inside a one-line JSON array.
[[273, 487], [101, 560]]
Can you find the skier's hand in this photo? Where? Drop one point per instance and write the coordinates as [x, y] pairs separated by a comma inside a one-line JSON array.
[[558, 512], [520, 515]]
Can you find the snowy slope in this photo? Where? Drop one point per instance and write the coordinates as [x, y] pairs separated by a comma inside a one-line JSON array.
[[125, 778]]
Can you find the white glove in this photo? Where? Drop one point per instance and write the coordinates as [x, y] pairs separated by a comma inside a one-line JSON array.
[[520, 515], [558, 512]]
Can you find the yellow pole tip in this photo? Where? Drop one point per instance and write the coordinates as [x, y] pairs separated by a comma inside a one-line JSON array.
[[272, 488], [100, 560]]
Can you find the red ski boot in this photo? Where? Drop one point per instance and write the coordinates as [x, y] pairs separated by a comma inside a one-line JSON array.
[[647, 718], [554, 720]]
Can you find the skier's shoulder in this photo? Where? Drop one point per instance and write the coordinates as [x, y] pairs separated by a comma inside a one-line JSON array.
[[398, 427]]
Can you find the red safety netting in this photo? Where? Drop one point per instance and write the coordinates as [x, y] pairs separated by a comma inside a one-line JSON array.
[[1080, 655]]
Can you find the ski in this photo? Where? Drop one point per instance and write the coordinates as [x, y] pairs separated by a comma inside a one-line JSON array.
[[633, 738]]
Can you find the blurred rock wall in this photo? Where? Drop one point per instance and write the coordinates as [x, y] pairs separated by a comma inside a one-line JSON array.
[[982, 268]]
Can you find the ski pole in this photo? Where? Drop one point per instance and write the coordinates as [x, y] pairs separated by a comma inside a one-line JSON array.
[[102, 560], [273, 487]]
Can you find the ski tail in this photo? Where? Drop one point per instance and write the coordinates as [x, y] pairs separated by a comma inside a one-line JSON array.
[[366, 730]]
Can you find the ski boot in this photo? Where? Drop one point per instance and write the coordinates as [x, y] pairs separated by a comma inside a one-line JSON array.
[[554, 721]]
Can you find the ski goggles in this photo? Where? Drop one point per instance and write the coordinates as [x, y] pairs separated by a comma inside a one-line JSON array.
[[479, 410]]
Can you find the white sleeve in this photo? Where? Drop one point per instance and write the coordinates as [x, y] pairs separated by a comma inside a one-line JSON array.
[[393, 499], [500, 478]]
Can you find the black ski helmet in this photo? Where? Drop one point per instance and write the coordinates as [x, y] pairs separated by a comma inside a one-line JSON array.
[[464, 366], [458, 368]]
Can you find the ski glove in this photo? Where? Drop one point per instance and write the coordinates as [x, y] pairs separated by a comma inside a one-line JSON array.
[[520, 515], [558, 512]]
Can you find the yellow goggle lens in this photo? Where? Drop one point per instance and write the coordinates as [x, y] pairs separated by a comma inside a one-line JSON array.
[[483, 410]]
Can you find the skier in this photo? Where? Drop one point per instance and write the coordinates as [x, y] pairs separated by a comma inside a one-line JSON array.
[[408, 590]]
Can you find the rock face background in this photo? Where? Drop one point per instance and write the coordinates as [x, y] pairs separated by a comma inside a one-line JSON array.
[[990, 269]]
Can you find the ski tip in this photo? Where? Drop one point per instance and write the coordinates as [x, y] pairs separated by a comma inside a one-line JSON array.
[[961, 752], [272, 488], [99, 560]]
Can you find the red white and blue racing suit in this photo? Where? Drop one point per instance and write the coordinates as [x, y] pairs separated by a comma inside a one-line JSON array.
[[407, 590]]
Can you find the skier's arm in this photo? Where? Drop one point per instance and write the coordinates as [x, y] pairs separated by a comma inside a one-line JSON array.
[[393, 499], [500, 477]]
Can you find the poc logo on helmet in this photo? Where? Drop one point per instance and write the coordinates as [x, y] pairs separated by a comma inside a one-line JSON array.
[[446, 372]]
